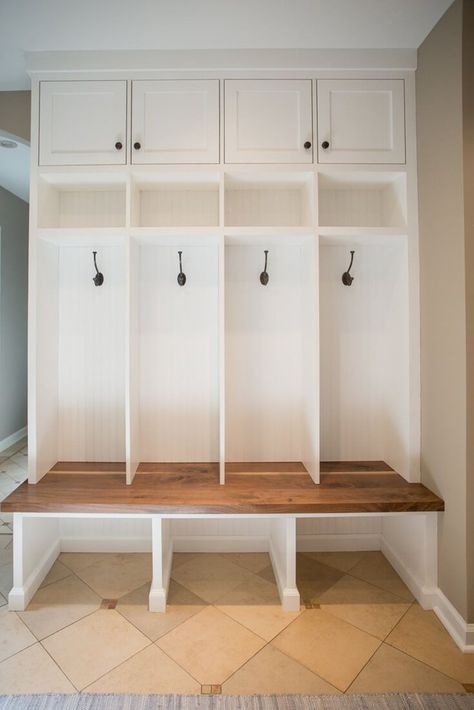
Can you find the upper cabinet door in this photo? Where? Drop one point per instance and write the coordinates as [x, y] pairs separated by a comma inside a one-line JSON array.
[[83, 122], [361, 121], [175, 121], [268, 121]]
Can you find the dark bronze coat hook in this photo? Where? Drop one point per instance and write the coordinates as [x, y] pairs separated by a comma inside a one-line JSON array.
[[181, 275], [264, 277], [98, 278], [347, 279]]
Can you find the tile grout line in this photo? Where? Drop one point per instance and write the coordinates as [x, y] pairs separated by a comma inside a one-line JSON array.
[[377, 649], [84, 689], [58, 666], [423, 663]]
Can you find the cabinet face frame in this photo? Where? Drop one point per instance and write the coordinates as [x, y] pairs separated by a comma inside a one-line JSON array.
[[203, 91], [81, 150], [235, 120], [347, 151]]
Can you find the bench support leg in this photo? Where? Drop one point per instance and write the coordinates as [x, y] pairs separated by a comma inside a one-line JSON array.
[[283, 556], [162, 556]]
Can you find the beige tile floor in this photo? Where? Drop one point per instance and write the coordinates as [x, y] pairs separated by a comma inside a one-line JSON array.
[[358, 630]]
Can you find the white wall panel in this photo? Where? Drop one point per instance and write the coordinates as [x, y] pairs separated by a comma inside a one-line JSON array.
[[179, 396], [264, 355], [364, 355], [91, 364]]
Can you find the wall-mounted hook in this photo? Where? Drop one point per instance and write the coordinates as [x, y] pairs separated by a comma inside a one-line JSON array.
[[264, 277], [181, 275], [98, 278], [347, 279]]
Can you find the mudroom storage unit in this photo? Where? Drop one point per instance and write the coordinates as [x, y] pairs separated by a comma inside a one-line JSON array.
[[223, 315], [222, 334]]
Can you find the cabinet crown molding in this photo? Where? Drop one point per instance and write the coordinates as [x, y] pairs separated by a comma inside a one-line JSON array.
[[220, 60]]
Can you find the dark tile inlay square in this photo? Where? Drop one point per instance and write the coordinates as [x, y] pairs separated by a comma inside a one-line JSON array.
[[108, 603], [211, 689]]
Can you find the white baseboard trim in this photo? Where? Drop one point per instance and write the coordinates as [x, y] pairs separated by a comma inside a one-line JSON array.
[[424, 595], [433, 598], [106, 544], [338, 543], [461, 632], [20, 597], [13, 438], [221, 543]]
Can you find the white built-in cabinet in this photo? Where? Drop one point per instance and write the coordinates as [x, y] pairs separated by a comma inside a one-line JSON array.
[[265, 121], [175, 121], [268, 121], [224, 369], [361, 121], [83, 123]]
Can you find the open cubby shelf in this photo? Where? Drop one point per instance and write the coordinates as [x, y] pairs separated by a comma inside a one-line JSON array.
[[175, 200], [372, 199], [82, 200], [268, 200]]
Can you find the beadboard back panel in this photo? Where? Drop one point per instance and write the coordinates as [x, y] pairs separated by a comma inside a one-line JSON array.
[[364, 355], [178, 361], [91, 356]]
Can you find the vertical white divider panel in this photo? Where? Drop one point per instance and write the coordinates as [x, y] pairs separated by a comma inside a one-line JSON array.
[[162, 554], [43, 355], [221, 327], [283, 556], [412, 471], [311, 357], [132, 385]]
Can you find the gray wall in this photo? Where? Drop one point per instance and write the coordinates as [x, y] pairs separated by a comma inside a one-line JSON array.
[[468, 138], [13, 312], [15, 110], [444, 303]]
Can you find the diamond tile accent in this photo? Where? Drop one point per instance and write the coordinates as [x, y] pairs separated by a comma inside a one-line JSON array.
[[57, 605], [148, 672], [210, 576], [391, 671], [182, 604], [256, 605], [210, 646], [113, 575], [421, 635], [361, 604], [270, 672], [331, 648], [93, 646]]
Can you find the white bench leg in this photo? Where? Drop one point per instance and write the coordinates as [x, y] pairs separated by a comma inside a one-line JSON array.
[[36, 546], [283, 556], [162, 555]]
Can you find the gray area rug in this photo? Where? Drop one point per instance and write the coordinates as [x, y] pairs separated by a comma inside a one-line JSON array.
[[399, 701]]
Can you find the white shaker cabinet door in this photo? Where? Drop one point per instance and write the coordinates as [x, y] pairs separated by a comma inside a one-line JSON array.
[[268, 121], [361, 121], [175, 121], [83, 122]]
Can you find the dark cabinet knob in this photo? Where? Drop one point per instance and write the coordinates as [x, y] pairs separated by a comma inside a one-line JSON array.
[[325, 145], [118, 145], [137, 145], [307, 145]]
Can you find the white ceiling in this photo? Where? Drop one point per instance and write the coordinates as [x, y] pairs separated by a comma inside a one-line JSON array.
[[49, 25]]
